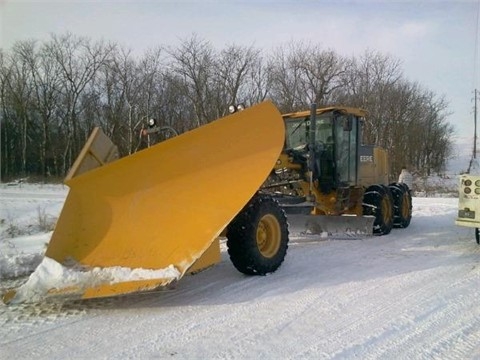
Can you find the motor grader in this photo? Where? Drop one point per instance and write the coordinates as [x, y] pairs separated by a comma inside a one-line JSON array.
[[141, 222], [325, 169]]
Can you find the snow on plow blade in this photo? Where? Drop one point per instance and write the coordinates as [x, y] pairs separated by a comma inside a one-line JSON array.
[[349, 226], [140, 222]]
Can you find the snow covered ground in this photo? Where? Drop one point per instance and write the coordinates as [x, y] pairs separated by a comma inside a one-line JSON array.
[[413, 294]]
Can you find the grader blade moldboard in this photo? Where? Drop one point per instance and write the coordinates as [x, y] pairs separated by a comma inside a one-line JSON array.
[[161, 208], [348, 226]]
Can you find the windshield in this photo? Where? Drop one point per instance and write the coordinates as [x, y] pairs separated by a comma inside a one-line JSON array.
[[297, 131]]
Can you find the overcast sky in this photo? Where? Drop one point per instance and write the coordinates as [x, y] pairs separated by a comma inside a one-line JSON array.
[[434, 40]]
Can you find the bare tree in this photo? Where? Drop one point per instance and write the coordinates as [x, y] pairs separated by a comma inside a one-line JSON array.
[[321, 73], [194, 62], [258, 83], [403, 117], [303, 74], [45, 76], [285, 77], [18, 103], [53, 93], [79, 61], [236, 65], [122, 83]]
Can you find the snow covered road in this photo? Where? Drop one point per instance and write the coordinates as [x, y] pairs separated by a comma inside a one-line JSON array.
[[413, 294]]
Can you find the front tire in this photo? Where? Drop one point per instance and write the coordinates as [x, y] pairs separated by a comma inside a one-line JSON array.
[[257, 238], [378, 202]]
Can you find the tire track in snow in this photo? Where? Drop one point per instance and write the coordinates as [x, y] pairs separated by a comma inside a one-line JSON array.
[[293, 308], [449, 328], [294, 313], [20, 321], [398, 330]]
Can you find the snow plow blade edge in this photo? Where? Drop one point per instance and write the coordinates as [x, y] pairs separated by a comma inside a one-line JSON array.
[[349, 226]]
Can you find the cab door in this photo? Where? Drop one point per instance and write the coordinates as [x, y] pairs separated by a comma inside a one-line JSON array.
[[346, 139]]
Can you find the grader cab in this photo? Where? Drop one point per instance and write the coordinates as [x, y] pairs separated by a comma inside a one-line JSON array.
[[328, 181]]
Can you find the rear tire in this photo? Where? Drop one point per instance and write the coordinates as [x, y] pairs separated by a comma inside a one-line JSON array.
[[402, 205], [378, 202], [257, 238]]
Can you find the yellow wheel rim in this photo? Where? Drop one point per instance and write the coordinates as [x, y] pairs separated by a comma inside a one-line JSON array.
[[406, 206], [386, 209], [268, 236]]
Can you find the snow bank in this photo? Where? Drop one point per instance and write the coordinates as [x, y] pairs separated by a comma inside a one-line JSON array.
[[20, 256], [12, 267], [51, 275]]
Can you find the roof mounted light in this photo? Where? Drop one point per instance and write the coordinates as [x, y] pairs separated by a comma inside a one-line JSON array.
[[235, 108]]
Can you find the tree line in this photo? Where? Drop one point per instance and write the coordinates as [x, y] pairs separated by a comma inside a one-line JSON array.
[[53, 92]]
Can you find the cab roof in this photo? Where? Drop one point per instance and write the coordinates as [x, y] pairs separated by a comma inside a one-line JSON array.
[[343, 109]]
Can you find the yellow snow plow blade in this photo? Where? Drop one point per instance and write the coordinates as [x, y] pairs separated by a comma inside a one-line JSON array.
[[161, 208]]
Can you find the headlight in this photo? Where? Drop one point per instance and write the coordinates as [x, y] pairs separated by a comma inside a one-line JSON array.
[[232, 109], [467, 190], [477, 191], [477, 183], [467, 182], [152, 122]]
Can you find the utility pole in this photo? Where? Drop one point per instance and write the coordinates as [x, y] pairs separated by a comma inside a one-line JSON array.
[[475, 127], [473, 159], [0, 149]]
